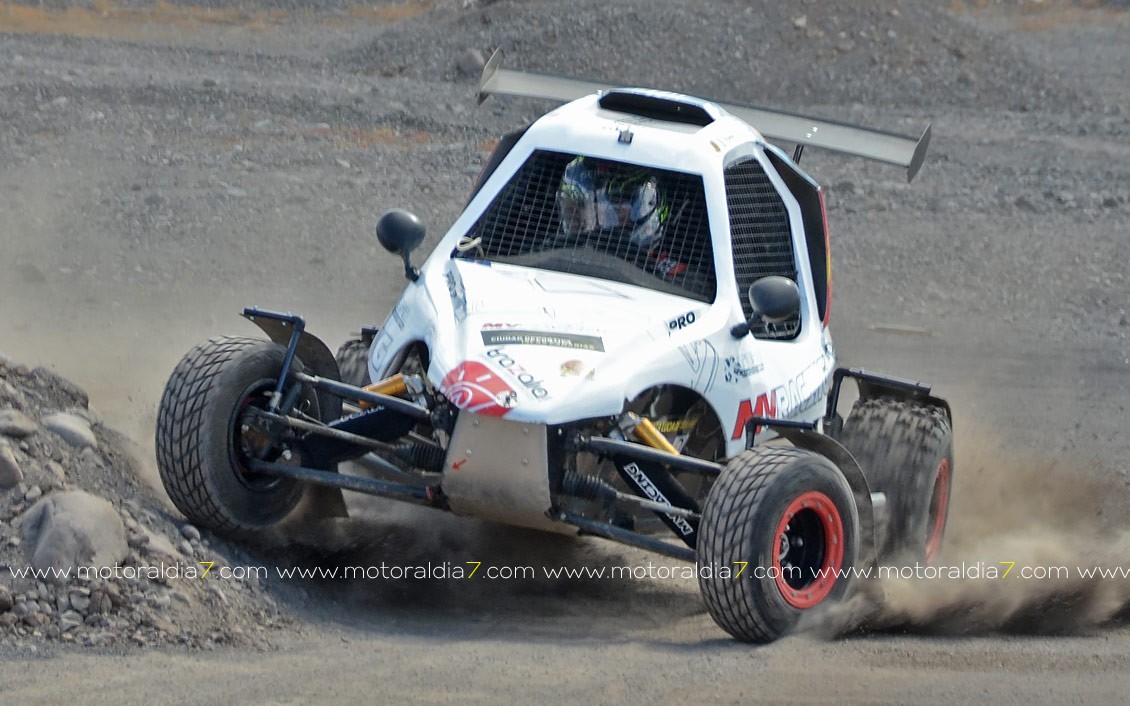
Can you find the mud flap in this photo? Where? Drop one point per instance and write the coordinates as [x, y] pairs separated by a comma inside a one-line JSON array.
[[318, 501], [832, 450]]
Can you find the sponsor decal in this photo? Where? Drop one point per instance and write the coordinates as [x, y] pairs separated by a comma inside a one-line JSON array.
[[677, 431], [572, 368], [476, 388], [703, 360], [676, 426], [518, 337], [740, 367], [519, 373], [381, 346], [458, 295], [682, 322], [648, 488], [766, 407], [398, 315], [802, 392], [727, 140]]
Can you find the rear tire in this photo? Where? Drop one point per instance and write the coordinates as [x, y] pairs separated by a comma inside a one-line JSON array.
[[200, 444], [787, 518], [353, 362], [906, 451]]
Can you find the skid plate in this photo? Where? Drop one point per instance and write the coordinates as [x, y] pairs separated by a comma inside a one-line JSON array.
[[498, 470]]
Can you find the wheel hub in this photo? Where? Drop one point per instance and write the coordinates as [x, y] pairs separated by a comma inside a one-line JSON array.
[[255, 436], [810, 549]]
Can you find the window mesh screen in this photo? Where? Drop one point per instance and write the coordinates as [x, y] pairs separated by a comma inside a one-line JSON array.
[[762, 242], [523, 226]]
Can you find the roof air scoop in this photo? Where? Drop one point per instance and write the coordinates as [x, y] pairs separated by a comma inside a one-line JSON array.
[[646, 104]]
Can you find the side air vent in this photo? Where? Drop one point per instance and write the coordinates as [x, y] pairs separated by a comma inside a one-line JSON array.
[[655, 108], [761, 238]]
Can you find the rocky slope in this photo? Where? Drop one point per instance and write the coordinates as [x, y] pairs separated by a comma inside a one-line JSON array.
[[88, 554]]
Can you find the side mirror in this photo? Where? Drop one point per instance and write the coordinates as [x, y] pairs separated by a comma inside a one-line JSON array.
[[401, 232], [773, 299]]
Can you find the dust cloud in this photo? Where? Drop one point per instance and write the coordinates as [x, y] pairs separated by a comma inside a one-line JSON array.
[[549, 575], [1034, 546]]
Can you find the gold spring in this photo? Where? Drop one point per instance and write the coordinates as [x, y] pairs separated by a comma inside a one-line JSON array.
[[646, 432], [392, 386]]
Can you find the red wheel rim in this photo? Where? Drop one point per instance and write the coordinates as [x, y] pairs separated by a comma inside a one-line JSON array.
[[939, 504], [808, 550]]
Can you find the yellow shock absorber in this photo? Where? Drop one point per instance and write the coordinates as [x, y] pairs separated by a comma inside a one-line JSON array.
[[646, 432], [393, 387]]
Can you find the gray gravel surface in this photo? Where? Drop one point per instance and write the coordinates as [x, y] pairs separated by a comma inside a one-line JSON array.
[[163, 165]]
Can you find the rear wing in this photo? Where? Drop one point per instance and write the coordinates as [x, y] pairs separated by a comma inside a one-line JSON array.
[[777, 125]]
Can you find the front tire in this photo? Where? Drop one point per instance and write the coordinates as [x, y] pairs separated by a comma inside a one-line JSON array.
[[786, 518], [202, 443]]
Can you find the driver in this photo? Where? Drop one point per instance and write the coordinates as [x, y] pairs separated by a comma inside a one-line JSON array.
[[620, 201]]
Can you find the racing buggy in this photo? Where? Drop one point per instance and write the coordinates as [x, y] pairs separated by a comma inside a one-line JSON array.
[[624, 335]]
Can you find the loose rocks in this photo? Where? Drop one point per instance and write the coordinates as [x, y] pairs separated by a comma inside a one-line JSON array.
[[72, 529]]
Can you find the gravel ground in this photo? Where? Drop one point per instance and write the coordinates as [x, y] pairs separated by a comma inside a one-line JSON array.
[[163, 165]]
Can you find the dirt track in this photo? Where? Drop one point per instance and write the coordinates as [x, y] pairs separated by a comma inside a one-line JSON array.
[[162, 167]]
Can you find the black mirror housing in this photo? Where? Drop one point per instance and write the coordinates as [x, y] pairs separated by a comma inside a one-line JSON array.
[[773, 299], [400, 232]]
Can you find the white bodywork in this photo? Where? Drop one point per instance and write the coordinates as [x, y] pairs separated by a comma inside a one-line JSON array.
[[542, 347]]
